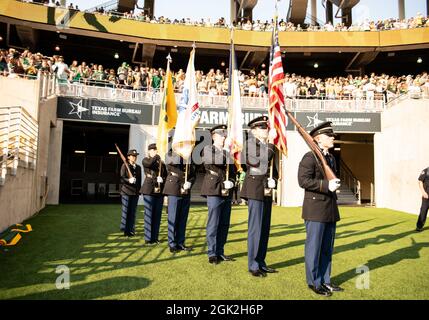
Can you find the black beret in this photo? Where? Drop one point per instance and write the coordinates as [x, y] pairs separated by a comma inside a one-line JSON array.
[[261, 121], [132, 152], [323, 128], [152, 146]]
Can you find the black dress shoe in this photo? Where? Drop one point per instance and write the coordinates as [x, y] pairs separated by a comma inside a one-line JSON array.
[[214, 260], [321, 291], [257, 273], [332, 287], [174, 249], [269, 270], [419, 229], [148, 242], [184, 248], [223, 257]]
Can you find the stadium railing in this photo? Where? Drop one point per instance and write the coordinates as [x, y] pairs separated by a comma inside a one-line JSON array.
[[215, 101], [18, 141]]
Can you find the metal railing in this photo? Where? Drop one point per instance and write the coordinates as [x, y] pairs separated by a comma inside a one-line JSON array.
[[18, 141], [350, 181], [48, 85], [218, 101], [424, 94]]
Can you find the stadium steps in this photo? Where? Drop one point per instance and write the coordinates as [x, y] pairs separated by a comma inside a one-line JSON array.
[[346, 197]]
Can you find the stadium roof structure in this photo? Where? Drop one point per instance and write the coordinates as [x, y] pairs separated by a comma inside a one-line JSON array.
[[96, 37]]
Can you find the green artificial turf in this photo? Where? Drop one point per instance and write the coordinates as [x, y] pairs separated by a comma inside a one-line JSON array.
[[105, 265]]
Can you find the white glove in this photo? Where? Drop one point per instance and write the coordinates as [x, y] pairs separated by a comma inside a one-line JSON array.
[[187, 185], [334, 184], [228, 184], [132, 180], [272, 134], [271, 183], [159, 180]]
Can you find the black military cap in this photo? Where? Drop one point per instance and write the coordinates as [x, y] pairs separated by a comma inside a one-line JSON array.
[[323, 128], [261, 122], [132, 152], [152, 146], [218, 129]]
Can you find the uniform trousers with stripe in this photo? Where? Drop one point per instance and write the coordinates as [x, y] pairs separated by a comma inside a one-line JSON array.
[[217, 224], [128, 216], [178, 211], [259, 232], [152, 216], [319, 246]]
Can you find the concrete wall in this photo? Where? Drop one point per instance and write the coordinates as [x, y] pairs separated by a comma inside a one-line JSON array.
[[24, 194], [401, 153], [26, 96], [292, 193], [54, 163]]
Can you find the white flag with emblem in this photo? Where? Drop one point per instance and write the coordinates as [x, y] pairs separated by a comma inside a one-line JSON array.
[[188, 114]]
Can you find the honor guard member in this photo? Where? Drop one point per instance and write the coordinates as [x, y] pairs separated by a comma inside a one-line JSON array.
[[130, 192], [320, 212], [218, 191], [424, 188], [153, 184], [257, 190], [179, 199]]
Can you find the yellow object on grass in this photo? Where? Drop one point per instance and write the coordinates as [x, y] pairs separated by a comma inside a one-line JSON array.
[[12, 235]]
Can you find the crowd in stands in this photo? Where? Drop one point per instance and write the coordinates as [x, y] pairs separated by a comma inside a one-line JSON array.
[[214, 82], [245, 24]]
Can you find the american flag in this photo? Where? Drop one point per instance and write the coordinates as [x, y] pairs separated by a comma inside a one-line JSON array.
[[276, 109]]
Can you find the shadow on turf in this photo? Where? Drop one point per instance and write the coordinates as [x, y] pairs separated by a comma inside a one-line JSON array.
[[93, 290], [411, 252], [96, 246]]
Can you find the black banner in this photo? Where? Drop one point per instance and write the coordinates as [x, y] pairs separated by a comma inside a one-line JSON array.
[[341, 121], [148, 114], [104, 111]]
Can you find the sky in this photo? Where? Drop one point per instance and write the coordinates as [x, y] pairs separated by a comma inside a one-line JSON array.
[[214, 9]]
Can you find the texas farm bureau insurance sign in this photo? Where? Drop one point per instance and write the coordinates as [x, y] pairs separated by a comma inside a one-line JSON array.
[[103, 111], [147, 114]]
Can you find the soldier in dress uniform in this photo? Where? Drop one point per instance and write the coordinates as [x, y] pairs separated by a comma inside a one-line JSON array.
[[130, 192], [424, 189], [218, 191], [179, 199], [320, 212], [155, 173], [257, 190]]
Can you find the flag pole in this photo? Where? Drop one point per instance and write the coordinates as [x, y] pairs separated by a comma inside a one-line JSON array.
[[269, 93], [169, 60], [229, 99], [187, 163]]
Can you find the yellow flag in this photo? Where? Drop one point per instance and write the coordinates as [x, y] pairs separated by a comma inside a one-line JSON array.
[[167, 114]]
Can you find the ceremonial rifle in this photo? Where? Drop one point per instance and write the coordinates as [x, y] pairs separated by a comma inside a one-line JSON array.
[[124, 160], [327, 171]]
